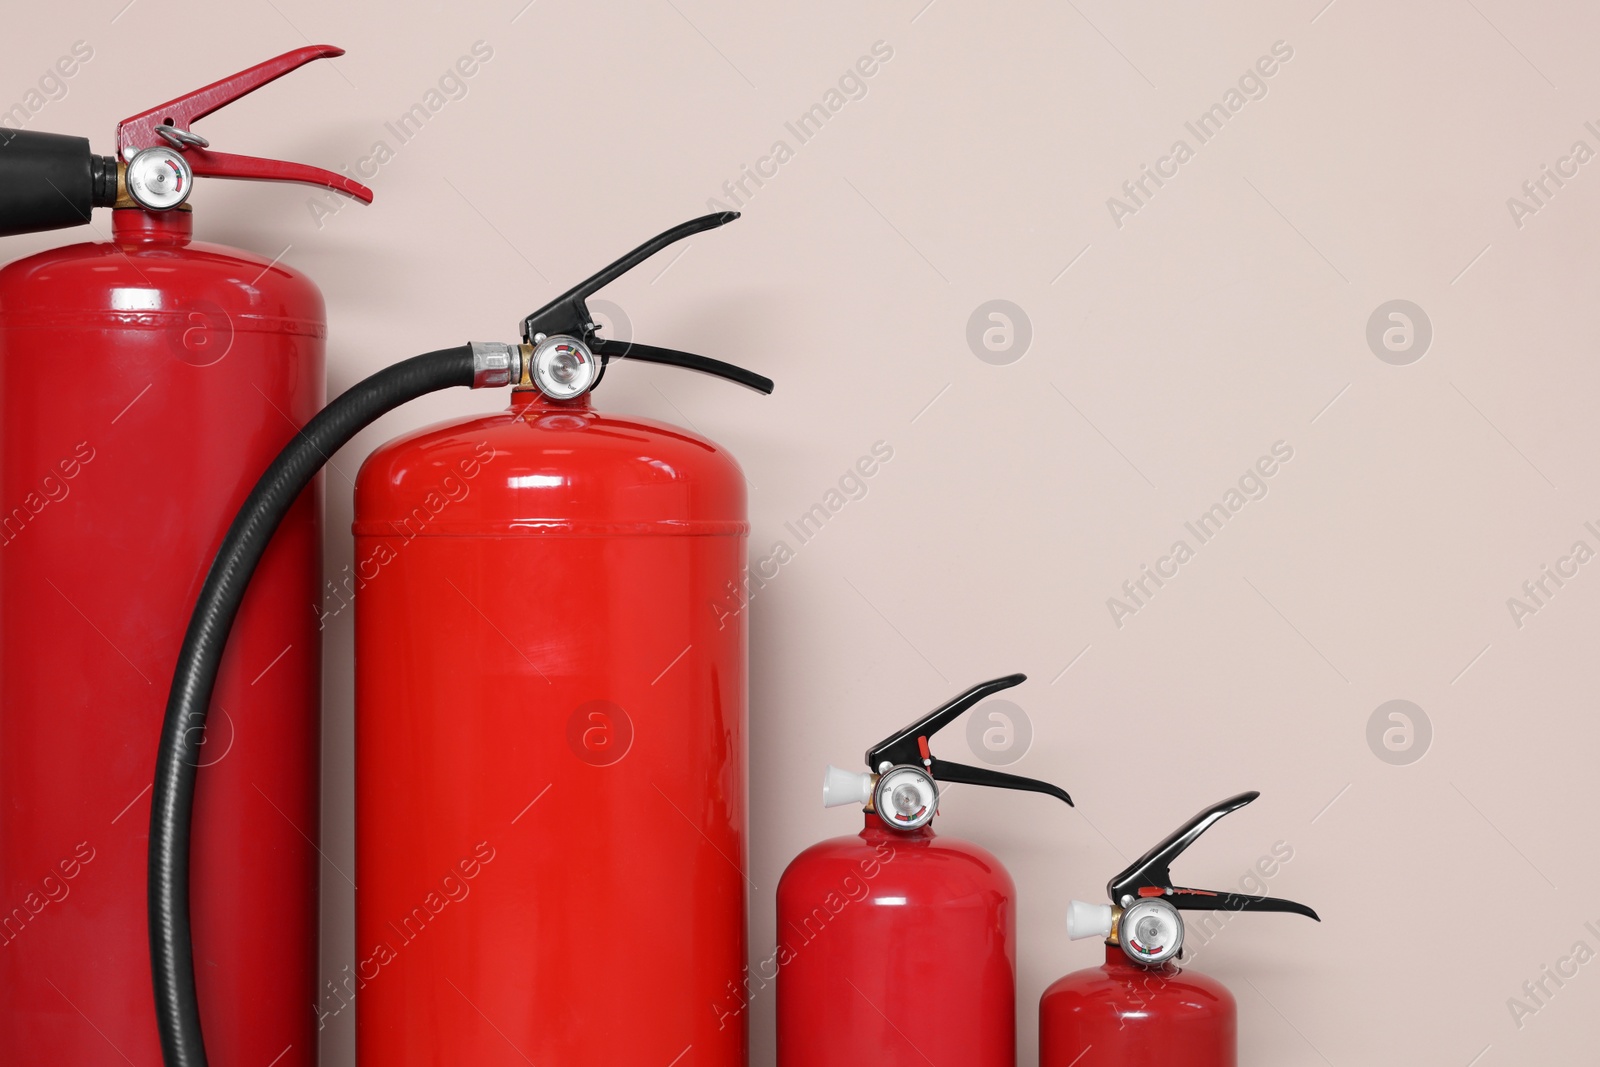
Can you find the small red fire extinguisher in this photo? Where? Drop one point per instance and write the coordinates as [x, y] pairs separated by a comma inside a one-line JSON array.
[[143, 380], [1140, 1007], [897, 946]]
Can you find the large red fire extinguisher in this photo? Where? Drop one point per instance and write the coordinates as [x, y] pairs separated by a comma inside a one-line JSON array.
[[897, 946], [1140, 1008], [144, 380], [550, 728], [550, 715]]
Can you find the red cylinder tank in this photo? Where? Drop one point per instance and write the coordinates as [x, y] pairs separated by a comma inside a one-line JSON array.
[[550, 707], [145, 383], [878, 934], [1124, 1015]]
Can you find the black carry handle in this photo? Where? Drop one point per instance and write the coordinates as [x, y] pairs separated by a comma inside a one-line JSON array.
[[49, 181], [1151, 873], [673, 358], [1205, 900], [961, 774], [905, 746]]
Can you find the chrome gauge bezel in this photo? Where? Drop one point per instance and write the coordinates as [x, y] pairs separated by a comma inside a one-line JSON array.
[[147, 175], [542, 367], [901, 779], [1150, 912]]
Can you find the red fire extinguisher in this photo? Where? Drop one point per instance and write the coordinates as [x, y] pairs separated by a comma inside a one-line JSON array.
[[144, 379], [550, 726], [1140, 1007], [551, 694], [897, 946]]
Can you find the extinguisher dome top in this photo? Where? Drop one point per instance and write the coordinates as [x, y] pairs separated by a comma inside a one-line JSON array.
[[548, 468], [152, 276], [967, 868]]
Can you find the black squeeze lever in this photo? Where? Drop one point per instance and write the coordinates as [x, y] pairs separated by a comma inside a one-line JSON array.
[[909, 747], [1151, 874], [568, 315]]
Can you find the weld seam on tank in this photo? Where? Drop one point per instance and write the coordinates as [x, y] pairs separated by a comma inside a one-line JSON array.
[[553, 528]]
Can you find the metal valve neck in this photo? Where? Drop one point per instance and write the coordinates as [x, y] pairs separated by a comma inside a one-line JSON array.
[[875, 828], [135, 225], [528, 401]]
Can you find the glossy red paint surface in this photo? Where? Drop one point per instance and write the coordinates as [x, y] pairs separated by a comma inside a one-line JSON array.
[[896, 948], [145, 384], [1123, 1015], [550, 738]]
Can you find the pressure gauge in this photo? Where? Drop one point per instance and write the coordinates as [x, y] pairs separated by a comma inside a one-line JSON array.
[[159, 179], [906, 797], [563, 367], [1151, 931]]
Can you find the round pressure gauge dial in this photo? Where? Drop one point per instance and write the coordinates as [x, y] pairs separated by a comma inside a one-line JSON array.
[[906, 797], [1151, 931], [159, 179], [564, 368]]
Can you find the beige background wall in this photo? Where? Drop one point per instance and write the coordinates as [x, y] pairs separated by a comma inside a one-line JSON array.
[[1171, 347]]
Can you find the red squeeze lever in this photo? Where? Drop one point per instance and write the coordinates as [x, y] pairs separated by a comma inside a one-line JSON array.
[[168, 126]]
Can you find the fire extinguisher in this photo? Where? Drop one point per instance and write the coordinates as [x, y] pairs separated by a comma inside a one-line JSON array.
[[550, 725], [897, 945], [142, 380], [1140, 1007], [550, 713]]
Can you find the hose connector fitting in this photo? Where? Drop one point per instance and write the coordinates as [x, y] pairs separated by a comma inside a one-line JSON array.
[[495, 364]]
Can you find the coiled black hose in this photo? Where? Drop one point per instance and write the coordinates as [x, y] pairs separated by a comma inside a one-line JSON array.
[[172, 804]]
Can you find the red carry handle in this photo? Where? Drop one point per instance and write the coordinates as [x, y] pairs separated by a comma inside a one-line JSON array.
[[169, 125]]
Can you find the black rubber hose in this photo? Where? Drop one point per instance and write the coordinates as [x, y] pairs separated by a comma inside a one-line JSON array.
[[48, 181], [172, 804]]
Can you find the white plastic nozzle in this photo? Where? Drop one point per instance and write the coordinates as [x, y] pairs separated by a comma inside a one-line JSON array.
[[1088, 920], [841, 787]]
